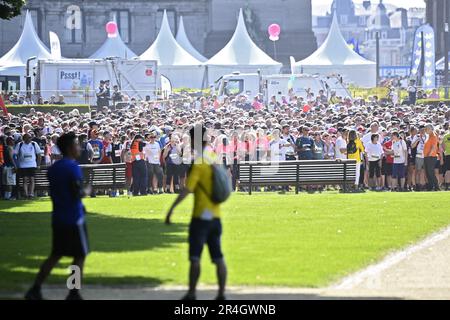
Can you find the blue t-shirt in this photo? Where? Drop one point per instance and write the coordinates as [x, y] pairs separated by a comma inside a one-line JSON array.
[[307, 144], [97, 147], [66, 181]]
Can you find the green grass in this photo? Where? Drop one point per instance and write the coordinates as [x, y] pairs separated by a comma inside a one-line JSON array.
[[269, 239]]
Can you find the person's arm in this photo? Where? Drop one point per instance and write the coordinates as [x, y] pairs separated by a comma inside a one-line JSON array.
[[405, 150], [76, 186], [11, 155], [183, 194], [166, 151], [415, 142], [38, 154], [90, 151], [342, 149]]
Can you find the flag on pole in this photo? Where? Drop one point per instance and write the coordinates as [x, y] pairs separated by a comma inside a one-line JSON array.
[[2, 105]]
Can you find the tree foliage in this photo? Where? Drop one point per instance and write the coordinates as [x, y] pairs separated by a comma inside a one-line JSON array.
[[10, 8]]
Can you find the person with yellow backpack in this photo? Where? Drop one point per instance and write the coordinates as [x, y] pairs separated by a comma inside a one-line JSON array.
[[209, 182]]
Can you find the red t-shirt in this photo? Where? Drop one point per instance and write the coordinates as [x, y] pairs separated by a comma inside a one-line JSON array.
[[388, 146]]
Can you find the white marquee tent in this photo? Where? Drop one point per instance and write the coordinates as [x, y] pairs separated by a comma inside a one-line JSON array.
[[174, 62], [114, 47], [183, 41], [241, 54], [13, 63], [440, 64], [335, 57]]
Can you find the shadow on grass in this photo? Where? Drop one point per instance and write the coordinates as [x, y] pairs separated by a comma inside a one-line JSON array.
[[25, 239]]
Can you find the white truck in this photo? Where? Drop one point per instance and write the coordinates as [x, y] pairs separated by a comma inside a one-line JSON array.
[[78, 79], [280, 85]]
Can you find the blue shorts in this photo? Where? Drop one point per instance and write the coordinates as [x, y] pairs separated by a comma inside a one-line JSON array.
[[399, 171], [203, 232]]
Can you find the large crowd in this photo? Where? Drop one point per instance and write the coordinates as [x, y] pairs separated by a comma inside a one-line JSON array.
[[400, 146]]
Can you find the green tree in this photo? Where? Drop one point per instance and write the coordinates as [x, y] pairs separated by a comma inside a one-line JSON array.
[[10, 8]]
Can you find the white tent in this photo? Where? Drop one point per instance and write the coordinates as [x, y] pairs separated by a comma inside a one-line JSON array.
[[335, 57], [114, 47], [183, 41], [440, 64], [13, 63], [241, 54], [174, 62]]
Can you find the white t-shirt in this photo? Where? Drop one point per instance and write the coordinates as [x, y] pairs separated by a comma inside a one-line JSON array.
[[26, 154], [374, 151], [288, 149], [152, 152], [420, 145], [340, 144], [399, 148], [367, 139], [277, 153]]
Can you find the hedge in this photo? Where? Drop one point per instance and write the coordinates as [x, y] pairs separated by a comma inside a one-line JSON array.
[[16, 109], [433, 101]]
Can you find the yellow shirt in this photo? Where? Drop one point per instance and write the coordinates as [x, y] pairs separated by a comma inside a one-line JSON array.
[[200, 182], [359, 149]]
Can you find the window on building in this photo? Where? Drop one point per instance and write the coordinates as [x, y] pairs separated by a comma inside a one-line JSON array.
[[35, 16], [362, 21], [123, 20], [74, 24], [344, 19], [171, 16]]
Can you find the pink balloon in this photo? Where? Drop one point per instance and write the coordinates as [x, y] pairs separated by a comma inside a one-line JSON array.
[[274, 31], [111, 27]]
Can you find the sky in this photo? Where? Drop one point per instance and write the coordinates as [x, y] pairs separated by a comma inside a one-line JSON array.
[[320, 5]]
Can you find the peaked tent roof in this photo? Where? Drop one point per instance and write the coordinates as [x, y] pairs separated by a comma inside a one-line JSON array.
[[241, 50], [183, 41], [334, 51], [114, 47], [27, 46], [166, 49]]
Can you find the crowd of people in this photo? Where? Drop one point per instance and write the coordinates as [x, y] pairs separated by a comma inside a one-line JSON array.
[[398, 146]]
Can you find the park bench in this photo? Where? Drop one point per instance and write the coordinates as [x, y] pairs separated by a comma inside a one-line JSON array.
[[99, 176], [297, 173]]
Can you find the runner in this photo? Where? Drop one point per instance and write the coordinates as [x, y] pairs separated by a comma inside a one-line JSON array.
[[205, 226], [68, 221]]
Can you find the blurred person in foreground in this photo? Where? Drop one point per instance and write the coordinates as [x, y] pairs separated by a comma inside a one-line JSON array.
[[205, 226], [68, 216]]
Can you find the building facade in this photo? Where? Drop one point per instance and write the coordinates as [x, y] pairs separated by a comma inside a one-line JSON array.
[[361, 23], [209, 24], [438, 14]]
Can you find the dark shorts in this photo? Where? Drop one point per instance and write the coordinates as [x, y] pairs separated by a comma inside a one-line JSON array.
[[386, 169], [70, 240], [203, 232], [184, 168], [447, 163], [374, 169], [27, 172], [398, 171], [438, 164]]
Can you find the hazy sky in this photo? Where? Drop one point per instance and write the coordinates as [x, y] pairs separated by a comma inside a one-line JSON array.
[[320, 5]]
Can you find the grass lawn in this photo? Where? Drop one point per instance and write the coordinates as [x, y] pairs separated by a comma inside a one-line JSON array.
[[269, 239]]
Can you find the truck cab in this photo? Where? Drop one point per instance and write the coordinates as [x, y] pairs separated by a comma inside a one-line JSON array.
[[278, 85], [239, 83]]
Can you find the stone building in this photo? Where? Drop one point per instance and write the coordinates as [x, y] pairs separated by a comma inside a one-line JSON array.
[[209, 24], [438, 14]]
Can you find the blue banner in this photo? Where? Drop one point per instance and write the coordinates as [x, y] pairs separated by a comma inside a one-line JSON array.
[[429, 75]]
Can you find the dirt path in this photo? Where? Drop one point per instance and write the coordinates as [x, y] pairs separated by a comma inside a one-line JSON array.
[[421, 271]]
